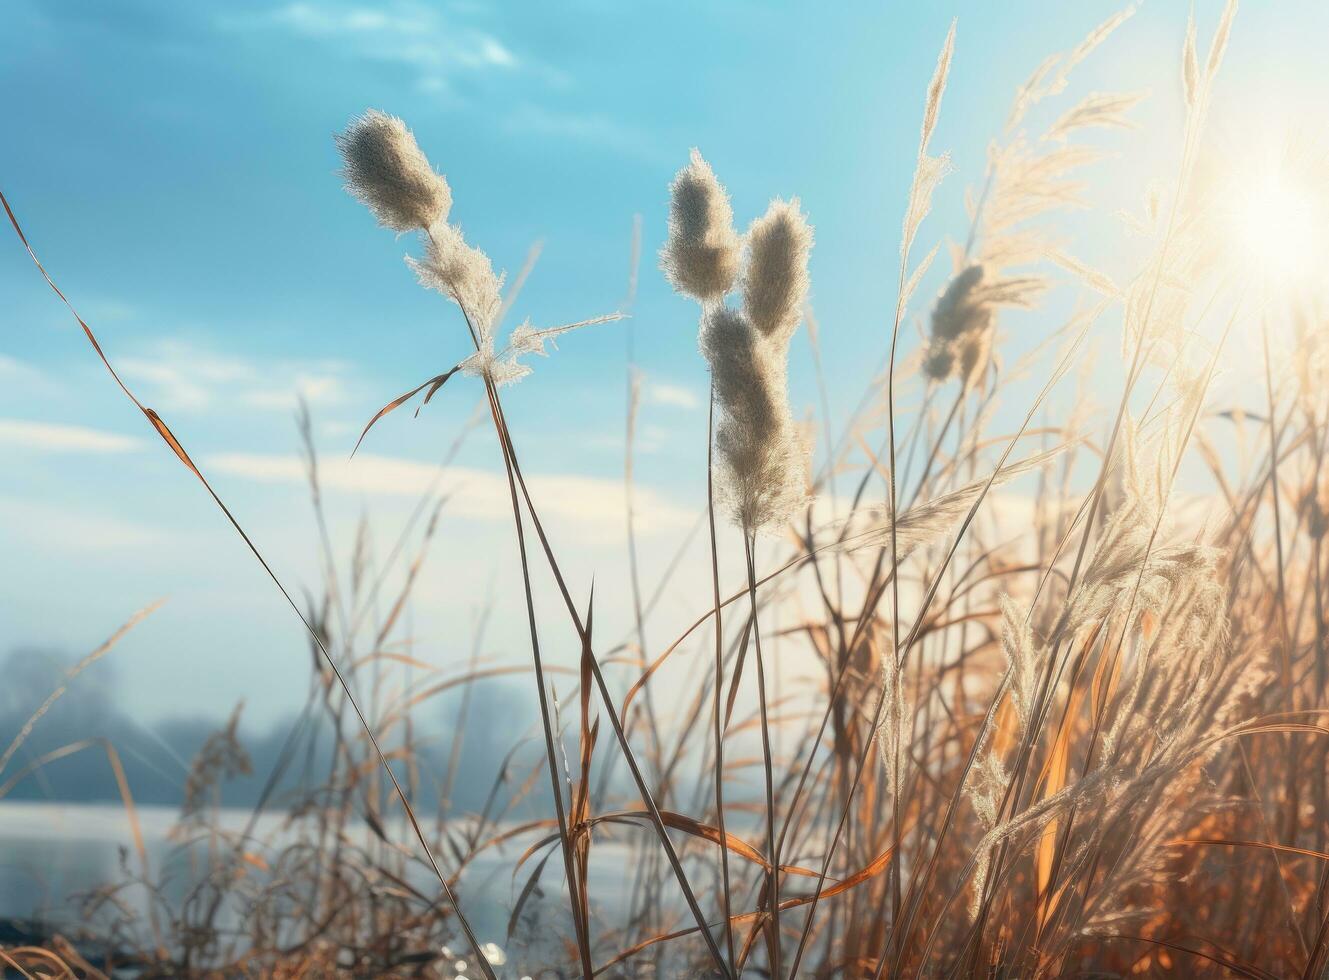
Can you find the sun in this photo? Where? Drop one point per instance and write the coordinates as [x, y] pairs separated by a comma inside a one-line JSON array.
[[1275, 227], [1274, 211]]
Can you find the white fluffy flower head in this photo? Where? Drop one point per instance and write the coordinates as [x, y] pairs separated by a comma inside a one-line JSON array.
[[762, 455], [702, 255], [463, 274], [386, 170], [775, 281]]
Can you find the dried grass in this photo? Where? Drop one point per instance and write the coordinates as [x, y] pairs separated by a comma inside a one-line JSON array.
[[1090, 744]]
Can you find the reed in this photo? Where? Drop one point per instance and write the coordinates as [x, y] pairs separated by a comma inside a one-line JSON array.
[[1006, 708]]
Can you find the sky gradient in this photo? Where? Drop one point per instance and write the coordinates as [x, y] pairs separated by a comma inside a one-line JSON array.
[[174, 168]]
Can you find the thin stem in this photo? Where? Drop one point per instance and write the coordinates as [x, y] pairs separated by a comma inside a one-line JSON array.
[[570, 867], [643, 791], [773, 873], [718, 693], [164, 431]]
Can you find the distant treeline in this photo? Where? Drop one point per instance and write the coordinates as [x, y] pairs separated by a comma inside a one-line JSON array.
[[157, 757]]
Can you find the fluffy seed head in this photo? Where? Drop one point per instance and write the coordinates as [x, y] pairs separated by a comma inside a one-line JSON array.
[[962, 324], [939, 362], [894, 734], [461, 273], [738, 364], [762, 457], [956, 312], [987, 786], [1022, 658], [388, 173], [1317, 523], [775, 283], [975, 352], [701, 256]]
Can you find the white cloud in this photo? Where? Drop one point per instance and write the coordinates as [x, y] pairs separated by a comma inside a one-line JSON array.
[[21, 383], [444, 49], [676, 396], [407, 32], [41, 528], [178, 376], [111, 309], [13, 367], [591, 502], [175, 388], [315, 389], [49, 437], [599, 130]]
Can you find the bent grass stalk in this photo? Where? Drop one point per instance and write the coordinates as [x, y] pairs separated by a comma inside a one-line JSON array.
[[159, 425], [1079, 707]]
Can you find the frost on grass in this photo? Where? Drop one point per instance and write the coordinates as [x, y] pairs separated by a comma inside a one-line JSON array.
[[504, 367], [461, 273], [386, 170]]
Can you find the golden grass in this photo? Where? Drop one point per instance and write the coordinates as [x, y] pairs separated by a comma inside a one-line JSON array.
[[1088, 743]]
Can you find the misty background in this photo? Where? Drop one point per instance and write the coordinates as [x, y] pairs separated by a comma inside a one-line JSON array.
[[157, 755]]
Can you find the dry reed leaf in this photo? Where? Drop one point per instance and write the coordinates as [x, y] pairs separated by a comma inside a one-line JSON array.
[[1219, 45], [1098, 109], [915, 278], [1095, 280], [168, 436]]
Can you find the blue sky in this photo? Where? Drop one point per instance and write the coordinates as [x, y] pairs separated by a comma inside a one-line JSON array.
[[173, 165]]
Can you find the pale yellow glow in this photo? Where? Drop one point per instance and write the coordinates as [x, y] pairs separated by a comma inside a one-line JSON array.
[[1276, 229]]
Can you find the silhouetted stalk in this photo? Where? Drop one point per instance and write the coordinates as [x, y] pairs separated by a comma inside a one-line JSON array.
[[716, 723], [773, 872], [170, 439]]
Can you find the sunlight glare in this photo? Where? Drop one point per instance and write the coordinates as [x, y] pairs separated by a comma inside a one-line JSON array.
[[1275, 229]]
